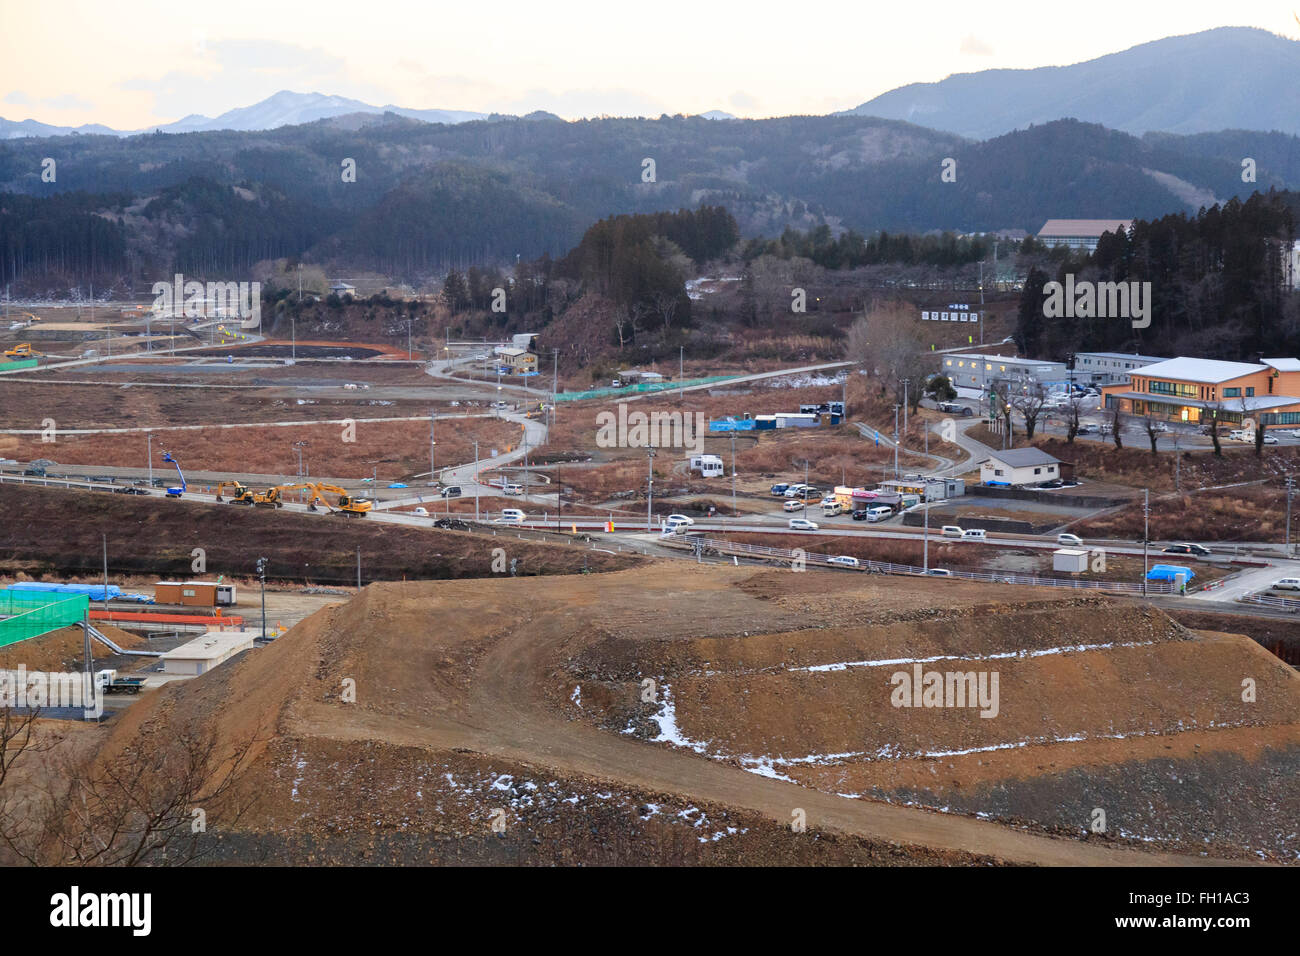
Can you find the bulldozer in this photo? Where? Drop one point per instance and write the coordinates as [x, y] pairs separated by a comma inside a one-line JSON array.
[[21, 350], [347, 503]]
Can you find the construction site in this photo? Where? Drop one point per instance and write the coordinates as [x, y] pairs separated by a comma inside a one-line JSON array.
[[418, 611]]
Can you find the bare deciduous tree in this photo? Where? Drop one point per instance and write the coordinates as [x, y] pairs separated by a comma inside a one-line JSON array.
[[1030, 403], [1153, 428], [141, 807], [1117, 423]]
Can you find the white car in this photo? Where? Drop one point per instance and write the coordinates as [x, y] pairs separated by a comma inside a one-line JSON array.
[[844, 561], [422, 512], [512, 516], [795, 491], [1287, 584], [1270, 440], [675, 521], [802, 524]]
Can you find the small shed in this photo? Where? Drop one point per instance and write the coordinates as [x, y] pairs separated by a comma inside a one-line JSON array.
[[1070, 560], [204, 653]]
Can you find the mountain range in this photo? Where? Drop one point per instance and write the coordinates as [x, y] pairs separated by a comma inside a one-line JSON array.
[[1226, 78]]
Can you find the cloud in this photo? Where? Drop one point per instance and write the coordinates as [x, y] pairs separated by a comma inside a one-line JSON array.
[[971, 45], [18, 98]]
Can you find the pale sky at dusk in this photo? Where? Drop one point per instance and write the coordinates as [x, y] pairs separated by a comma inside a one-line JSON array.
[[132, 64]]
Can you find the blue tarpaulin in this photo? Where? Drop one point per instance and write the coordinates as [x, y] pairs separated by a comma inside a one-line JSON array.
[[1167, 572]]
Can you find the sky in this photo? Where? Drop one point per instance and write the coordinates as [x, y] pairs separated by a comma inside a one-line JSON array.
[[130, 64]]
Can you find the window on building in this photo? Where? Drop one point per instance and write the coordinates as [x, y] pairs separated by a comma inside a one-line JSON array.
[[1250, 392]]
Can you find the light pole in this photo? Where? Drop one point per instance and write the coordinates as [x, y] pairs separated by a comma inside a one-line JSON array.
[[149, 435], [895, 441], [293, 336], [906, 382], [925, 540], [681, 374], [650, 488], [475, 482], [261, 574], [555, 379], [1146, 535], [433, 473], [1290, 485]]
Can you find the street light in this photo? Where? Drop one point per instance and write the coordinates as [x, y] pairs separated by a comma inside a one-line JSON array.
[[261, 574]]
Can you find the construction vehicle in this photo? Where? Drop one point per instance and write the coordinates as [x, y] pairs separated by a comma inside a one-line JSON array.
[[110, 683], [347, 503], [242, 495], [21, 350], [176, 491], [271, 498]]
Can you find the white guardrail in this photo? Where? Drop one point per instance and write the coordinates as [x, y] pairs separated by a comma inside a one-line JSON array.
[[886, 567], [1284, 604]]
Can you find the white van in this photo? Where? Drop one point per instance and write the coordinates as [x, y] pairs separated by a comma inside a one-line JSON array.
[[1069, 540], [1240, 434], [512, 516], [952, 531], [879, 513], [513, 489], [1287, 584], [973, 534]]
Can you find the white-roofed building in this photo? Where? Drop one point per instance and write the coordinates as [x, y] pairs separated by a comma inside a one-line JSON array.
[[1080, 233], [1109, 368]]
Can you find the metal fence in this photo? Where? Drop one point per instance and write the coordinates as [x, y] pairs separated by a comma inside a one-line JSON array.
[[641, 388], [1284, 604], [29, 614], [886, 567]]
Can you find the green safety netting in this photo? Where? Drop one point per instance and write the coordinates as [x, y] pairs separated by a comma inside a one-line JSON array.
[[643, 387], [25, 614]]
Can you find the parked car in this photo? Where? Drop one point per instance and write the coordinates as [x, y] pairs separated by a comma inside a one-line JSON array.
[[939, 573], [952, 531], [860, 515], [1053, 483], [1086, 428], [880, 513], [844, 561], [1195, 549], [451, 492], [952, 408], [795, 491], [1287, 584], [130, 491], [1069, 540], [679, 521], [973, 534], [802, 524], [794, 504], [779, 490]]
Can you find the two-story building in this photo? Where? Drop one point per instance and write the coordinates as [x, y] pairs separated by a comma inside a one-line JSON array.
[[1191, 389]]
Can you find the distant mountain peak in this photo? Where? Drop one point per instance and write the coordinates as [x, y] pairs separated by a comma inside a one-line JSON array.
[[1195, 83]]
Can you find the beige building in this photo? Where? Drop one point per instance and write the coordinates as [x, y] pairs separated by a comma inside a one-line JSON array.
[[204, 653]]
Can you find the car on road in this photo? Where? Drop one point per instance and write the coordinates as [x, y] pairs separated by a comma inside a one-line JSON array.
[[451, 492], [953, 408], [844, 561], [130, 491], [974, 534], [512, 516], [802, 524], [1069, 540], [511, 488], [1287, 584], [679, 521], [939, 573], [1194, 549], [1086, 428], [779, 490], [952, 531], [498, 405], [422, 512], [1270, 440], [397, 484], [794, 504]]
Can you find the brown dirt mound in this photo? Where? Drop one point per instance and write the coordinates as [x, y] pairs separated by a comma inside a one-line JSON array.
[[529, 697]]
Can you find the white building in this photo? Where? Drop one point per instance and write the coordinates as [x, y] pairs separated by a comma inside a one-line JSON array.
[[1019, 466], [1080, 233], [1109, 368], [204, 653]]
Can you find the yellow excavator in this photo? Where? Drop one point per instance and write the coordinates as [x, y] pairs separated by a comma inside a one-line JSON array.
[[21, 350], [347, 503], [271, 498], [242, 495]]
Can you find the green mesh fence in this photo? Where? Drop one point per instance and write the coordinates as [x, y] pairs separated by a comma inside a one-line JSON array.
[[643, 387], [25, 614]]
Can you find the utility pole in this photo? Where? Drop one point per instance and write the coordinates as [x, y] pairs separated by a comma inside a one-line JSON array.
[[925, 540], [433, 472], [555, 367], [358, 567], [475, 484], [733, 475], [408, 340], [650, 486], [1178, 467], [895, 441], [1146, 535], [105, 540], [149, 436], [293, 337], [1290, 485], [906, 382], [681, 374]]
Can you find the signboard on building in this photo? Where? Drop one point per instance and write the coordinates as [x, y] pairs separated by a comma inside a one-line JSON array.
[[955, 312]]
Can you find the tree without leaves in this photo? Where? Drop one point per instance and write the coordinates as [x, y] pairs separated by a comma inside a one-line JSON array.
[[1030, 403], [1151, 425], [1117, 425]]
